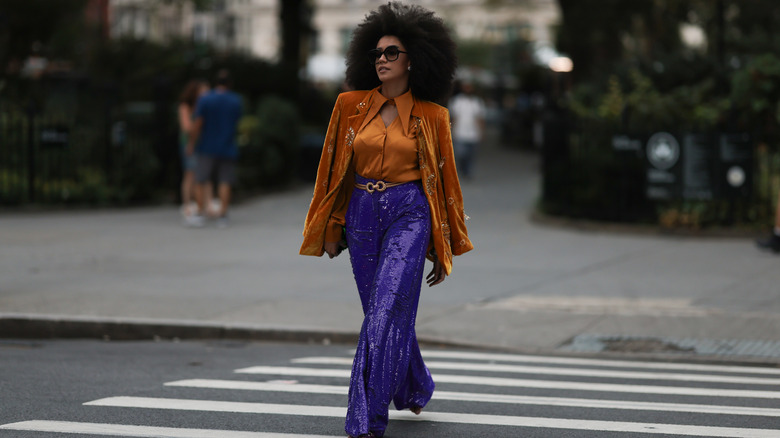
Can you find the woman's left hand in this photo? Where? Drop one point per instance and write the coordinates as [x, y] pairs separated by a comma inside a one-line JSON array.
[[437, 274], [333, 248]]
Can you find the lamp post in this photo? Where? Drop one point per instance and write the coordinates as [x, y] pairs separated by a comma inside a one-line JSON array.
[[556, 185], [560, 65]]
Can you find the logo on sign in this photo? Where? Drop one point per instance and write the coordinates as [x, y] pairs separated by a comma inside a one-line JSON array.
[[736, 176], [663, 151]]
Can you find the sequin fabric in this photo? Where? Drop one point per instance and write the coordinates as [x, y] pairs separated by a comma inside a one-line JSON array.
[[387, 235]]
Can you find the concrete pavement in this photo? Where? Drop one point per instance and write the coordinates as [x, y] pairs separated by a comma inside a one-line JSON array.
[[526, 287]]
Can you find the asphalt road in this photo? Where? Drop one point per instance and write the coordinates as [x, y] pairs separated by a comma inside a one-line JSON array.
[[232, 389]]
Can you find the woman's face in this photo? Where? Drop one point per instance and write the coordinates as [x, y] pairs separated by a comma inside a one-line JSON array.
[[391, 71]]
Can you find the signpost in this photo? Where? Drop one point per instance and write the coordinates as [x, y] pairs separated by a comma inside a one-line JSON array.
[[663, 170]]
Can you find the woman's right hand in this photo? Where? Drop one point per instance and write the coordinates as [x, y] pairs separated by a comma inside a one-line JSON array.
[[333, 248]]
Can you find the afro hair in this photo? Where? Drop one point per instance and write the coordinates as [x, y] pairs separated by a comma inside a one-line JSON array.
[[427, 40]]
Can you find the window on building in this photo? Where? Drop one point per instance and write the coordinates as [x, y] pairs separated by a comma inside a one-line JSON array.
[[199, 33]]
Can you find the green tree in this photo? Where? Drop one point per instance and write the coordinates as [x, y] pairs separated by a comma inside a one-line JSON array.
[[598, 34], [295, 17], [28, 23]]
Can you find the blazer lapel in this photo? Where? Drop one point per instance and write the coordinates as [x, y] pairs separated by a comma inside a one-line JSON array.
[[358, 121]]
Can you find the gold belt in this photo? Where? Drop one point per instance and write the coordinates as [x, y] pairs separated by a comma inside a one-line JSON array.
[[379, 186]]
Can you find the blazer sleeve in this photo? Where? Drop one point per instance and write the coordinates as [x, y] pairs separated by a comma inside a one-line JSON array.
[[459, 239], [337, 220], [312, 241]]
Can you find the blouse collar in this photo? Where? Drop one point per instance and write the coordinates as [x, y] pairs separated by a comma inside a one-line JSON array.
[[404, 103]]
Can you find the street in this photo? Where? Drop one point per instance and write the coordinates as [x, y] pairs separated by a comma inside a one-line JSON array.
[[240, 389], [619, 183], [527, 286]]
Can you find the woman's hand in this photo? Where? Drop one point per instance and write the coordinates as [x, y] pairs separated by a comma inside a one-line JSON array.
[[333, 248], [437, 274]]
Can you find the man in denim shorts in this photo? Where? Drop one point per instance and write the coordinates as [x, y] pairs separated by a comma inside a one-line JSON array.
[[214, 132]]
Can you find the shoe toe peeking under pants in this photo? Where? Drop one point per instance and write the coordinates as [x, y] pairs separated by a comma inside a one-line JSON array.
[[387, 235]]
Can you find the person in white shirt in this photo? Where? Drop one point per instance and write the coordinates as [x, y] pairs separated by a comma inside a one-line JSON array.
[[468, 126], [772, 243]]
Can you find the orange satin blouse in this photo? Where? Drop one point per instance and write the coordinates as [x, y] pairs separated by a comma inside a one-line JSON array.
[[387, 153]]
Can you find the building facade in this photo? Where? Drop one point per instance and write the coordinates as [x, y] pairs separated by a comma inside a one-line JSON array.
[[252, 26]]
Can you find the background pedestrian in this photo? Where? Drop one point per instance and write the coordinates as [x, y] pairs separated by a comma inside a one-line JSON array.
[[772, 242], [189, 97], [214, 132], [468, 126]]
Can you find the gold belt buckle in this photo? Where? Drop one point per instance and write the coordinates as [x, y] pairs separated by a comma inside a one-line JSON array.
[[379, 186]]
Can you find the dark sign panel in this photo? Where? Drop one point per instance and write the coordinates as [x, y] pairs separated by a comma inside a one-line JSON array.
[[663, 166], [693, 165], [54, 136], [736, 165], [699, 160]]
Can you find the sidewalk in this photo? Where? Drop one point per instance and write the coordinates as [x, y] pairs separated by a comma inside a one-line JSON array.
[[526, 287]]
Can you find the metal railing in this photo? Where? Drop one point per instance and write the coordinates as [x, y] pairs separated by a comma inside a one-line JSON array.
[[85, 156], [585, 176]]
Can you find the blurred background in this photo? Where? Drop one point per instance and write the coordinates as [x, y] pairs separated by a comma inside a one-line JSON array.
[[660, 112]]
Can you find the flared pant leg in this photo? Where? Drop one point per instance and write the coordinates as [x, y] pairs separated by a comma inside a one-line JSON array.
[[387, 234]]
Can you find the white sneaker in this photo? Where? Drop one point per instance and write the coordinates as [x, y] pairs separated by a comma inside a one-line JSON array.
[[189, 209], [194, 221], [214, 207]]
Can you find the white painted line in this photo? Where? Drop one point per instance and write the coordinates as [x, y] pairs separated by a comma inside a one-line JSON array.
[[440, 417], [529, 383], [579, 372], [260, 386], [489, 398], [142, 431], [466, 355], [295, 371], [219, 406]]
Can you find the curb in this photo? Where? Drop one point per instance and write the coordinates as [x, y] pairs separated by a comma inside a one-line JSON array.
[[23, 326], [36, 326], [539, 218]]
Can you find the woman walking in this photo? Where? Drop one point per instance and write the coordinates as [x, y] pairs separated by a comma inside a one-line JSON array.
[[387, 189], [189, 96]]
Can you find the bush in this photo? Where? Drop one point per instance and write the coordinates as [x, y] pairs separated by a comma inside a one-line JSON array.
[[269, 144], [607, 185]]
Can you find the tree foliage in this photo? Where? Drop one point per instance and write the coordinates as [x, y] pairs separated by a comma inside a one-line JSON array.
[[638, 69], [126, 88], [54, 25]]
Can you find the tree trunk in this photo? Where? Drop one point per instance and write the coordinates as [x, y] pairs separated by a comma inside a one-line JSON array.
[[292, 13]]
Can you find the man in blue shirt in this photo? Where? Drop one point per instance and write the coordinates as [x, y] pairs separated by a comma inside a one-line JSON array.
[[214, 132]]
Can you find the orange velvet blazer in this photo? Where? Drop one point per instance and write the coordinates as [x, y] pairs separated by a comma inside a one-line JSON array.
[[335, 177]]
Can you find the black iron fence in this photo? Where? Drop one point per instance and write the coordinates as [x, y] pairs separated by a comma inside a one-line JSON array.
[[673, 177], [66, 141], [82, 146]]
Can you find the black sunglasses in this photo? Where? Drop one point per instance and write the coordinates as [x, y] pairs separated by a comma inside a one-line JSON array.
[[390, 52]]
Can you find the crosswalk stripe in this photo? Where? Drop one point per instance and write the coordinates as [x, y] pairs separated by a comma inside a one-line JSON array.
[[580, 372], [529, 383], [554, 360], [142, 431], [441, 417], [488, 398]]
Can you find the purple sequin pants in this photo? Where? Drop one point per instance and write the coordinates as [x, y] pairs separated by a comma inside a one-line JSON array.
[[388, 234]]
